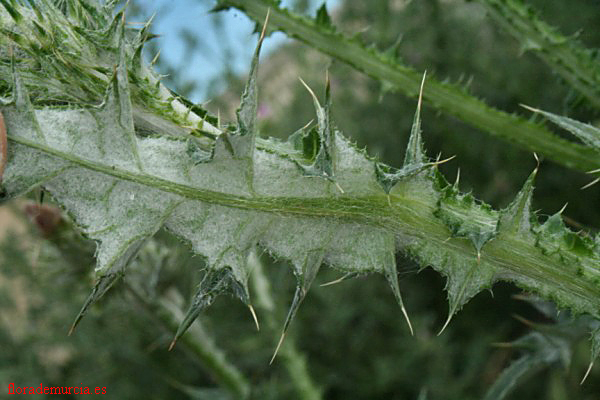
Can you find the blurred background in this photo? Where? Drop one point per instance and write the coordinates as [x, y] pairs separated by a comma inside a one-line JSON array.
[[349, 340]]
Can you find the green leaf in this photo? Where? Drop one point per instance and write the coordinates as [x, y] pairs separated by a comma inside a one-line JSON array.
[[547, 345], [323, 163], [466, 217], [322, 18], [517, 218], [587, 133], [213, 284], [415, 160]]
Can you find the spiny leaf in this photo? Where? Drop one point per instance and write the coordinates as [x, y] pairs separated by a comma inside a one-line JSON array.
[[106, 281], [480, 224], [556, 240], [391, 274], [517, 217], [213, 284], [84, 155], [305, 275], [415, 159], [465, 279], [588, 134], [246, 113], [323, 19], [415, 151], [324, 161]]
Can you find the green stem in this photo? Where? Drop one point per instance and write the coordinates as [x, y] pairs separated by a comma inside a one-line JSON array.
[[408, 213], [446, 97], [571, 61]]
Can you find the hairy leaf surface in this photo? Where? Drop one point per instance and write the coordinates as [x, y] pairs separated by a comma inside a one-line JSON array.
[[125, 157]]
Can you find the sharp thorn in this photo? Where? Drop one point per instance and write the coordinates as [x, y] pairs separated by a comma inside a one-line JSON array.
[[439, 162], [264, 28], [457, 177], [335, 281], [307, 125], [445, 324], [278, 347], [523, 321], [521, 297], [337, 185], [587, 373], [421, 91], [594, 171], [172, 344], [592, 183], [254, 316], [75, 324], [535, 110], [313, 95], [155, 59], [412, 332], [563, 208]]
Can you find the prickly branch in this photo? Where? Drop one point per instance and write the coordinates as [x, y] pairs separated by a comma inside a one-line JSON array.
[[446, 97], [576, 64]]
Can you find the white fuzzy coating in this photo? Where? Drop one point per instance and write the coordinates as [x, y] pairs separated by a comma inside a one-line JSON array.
[[120, 214], [114, 212]]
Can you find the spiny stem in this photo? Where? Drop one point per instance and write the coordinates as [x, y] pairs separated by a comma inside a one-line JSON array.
[[443, 96]]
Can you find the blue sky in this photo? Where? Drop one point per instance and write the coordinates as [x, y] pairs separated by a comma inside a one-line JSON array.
[[225, 40]]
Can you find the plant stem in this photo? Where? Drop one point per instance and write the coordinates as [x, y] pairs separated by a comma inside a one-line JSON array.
[[409, 213], [573, 62], [443, 96]]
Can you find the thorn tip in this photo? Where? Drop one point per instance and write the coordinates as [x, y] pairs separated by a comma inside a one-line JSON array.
[[264, 28], [445, 324], [587, 372], [278, 347], [592, 183], [254, 316], [412, 332]]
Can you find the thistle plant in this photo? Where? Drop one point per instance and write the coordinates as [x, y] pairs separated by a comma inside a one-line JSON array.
[[89, 122]]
